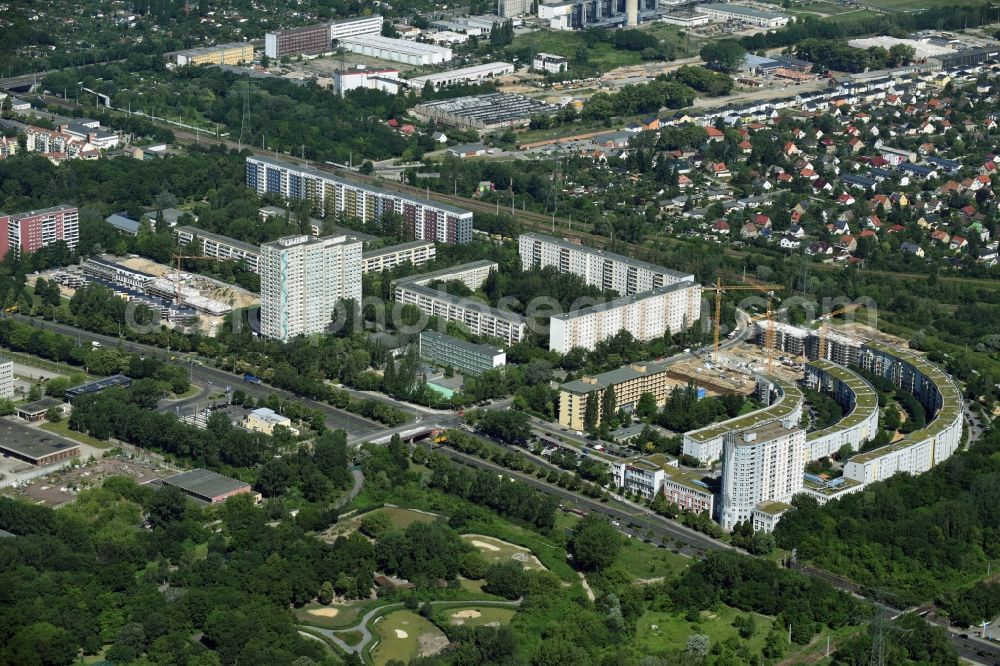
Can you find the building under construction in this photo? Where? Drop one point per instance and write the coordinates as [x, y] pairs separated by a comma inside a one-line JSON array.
[[813, 344]]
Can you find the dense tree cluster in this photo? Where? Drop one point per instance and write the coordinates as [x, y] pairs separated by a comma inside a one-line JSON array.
[[508, 498], [84, 577], [125, 414], [916, 536]]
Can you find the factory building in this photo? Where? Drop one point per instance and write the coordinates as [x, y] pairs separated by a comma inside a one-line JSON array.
[[584, 14], [463, 76], [485, 113], [384, 79], [396, 50]]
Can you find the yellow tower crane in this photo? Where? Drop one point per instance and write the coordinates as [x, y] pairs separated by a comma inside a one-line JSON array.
[[769, 333], [822, 329], [719, 288]]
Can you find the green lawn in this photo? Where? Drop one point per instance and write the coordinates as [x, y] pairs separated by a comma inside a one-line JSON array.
[[478, 616], [346, 615], [906, 5], [603, 57], [350, 637], [471, 585], [399, 636], [496, 551], [403, 518], [641, 560], [62, 428], [658, 631]]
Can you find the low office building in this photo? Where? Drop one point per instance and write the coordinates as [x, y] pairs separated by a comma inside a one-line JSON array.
[[396, 50], [629, 382], [825, 489], [34, 446], [206, 486], [783, 400], [857, 399], [266, 420], [485, 113], [6, 378], [549, 63], [332, 195], [742, 14], [466, 357], [220, 247], [760, 465], [605, 270], [32, 412], [414, 252], [688, 491], [463, 76], [642, 476], [647, 316], [238, 53], [767, 514]]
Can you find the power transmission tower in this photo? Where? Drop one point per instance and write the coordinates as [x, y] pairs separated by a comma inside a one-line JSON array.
[[245, 130], [878, 637]]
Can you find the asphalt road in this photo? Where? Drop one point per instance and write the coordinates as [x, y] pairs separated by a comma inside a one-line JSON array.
[[625, 514], [976, 649], [214, 380]]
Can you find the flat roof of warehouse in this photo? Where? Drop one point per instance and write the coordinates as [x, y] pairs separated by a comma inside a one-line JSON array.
[[204, 483], [31, 443]]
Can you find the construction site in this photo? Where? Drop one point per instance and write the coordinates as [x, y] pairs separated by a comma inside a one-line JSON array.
[[178, 296]]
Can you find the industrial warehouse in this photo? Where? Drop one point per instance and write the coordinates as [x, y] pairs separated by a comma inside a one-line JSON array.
[[485, 112], [33, 446]]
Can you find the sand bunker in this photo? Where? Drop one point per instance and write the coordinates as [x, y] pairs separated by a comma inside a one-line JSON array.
[[401, 634], [485, 546], [324, 612], [466, 614]]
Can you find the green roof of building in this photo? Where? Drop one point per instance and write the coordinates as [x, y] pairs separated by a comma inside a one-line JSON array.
[[791, 396], [951, 403], [773, 508], [865, 398]]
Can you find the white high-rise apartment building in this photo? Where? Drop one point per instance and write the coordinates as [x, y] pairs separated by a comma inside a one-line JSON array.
[[301, 280], [646, 316], [605, 270], [762, 464], [6, 378]]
